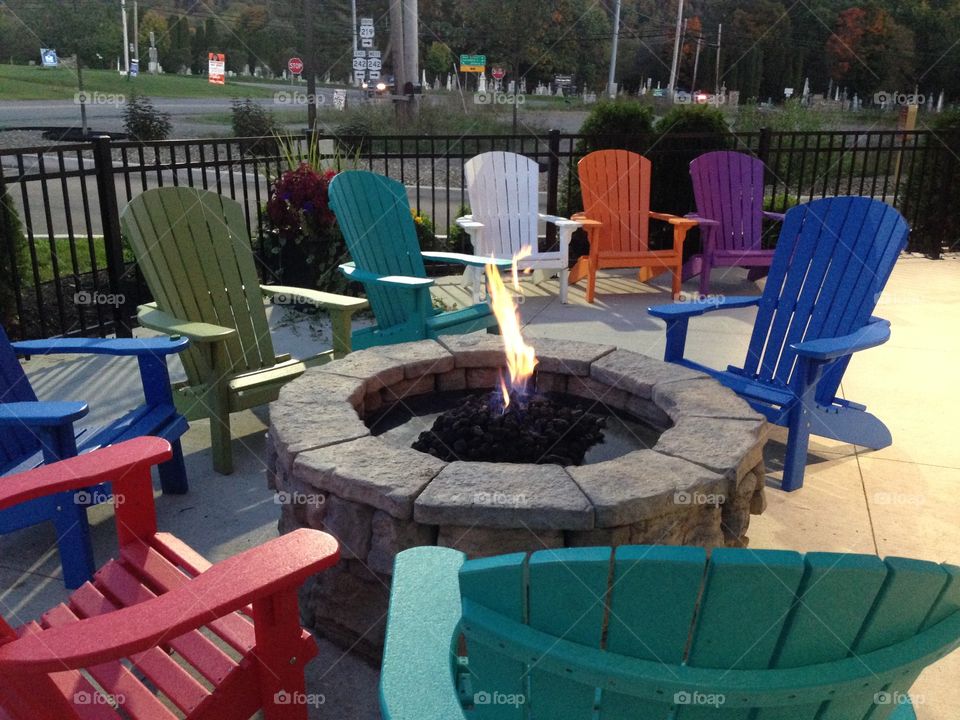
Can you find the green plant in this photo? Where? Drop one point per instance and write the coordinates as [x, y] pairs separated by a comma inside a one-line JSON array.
[[12, 259], [929, 194], [143, 121], [255, 124], [457, 238]]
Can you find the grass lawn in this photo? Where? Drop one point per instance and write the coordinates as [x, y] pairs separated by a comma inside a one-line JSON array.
[[64, 258], [19, 82]]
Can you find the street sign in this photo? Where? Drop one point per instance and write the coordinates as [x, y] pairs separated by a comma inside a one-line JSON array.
[[340, 99], [473, 63], [373, 53], [787, 92], [374, 64], [359, 63], [498, 73], [48, 57], [134, 68], [295, 65], [216, 68], [366, 31], [366, 42]]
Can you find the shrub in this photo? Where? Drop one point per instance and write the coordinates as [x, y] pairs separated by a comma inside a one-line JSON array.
[[143, 121], [255, 124], [351, 136], [12, 242], [931, 200]]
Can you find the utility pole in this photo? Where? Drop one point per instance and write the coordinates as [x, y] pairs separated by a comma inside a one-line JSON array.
[[411, 46], [611, 77], [83, 97], [136, 30], [353, 14], [717, 79], [126, 37], [676, 49], [696, 62], [397, 48], [310, 64]]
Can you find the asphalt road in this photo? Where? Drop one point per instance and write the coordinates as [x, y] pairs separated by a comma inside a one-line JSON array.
[[105, 113]]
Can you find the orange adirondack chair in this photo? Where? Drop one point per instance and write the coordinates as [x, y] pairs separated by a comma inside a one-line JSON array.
[[136, 630], [615, 185]]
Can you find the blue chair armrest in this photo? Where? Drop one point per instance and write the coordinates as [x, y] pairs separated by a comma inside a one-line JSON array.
[[876, 332], [677, 311], [464, 259], [41, 414], [417, 678], [773, 215], [166, 345], [402, 281]]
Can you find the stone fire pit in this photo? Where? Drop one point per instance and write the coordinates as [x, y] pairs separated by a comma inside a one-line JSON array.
[[697, 486]]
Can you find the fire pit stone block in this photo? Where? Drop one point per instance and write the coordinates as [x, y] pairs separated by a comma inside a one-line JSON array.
[[568, 357]]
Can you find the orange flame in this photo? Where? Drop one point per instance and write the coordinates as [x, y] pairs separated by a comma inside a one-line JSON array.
[[521, 359]]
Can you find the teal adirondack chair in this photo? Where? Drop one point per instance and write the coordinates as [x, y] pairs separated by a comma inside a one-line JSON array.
[[663, 633], [833, 258], [374, 216], [193, 248]]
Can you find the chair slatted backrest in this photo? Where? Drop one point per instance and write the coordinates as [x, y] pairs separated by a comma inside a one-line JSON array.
[[373, 213], [832, 260], [194, 251], [615, 185], [15, 443], [504, 196], [728, 188], [598, 611]]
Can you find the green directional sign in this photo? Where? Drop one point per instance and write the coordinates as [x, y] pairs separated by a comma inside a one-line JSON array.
[[473, 63]]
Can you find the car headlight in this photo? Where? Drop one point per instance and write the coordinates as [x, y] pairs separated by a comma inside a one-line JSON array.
[[381, 86]]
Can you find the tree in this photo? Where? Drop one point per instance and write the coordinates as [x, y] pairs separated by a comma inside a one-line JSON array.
[[439, 59], [869, 51]]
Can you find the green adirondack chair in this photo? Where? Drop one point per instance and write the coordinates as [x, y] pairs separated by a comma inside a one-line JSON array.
[[663, 633], [194, 251], [374, 216]]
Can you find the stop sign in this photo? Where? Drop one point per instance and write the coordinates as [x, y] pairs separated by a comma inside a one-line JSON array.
[[295, 65], [497, 73]]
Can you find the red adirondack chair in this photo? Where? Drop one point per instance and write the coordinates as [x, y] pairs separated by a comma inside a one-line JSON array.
[[616, 199], [728, 187], [136, 630]]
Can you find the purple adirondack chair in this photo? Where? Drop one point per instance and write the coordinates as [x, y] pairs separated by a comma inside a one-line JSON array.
[[728, 187]]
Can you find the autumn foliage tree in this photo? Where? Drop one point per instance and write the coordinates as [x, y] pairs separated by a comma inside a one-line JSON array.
[[870, 51]]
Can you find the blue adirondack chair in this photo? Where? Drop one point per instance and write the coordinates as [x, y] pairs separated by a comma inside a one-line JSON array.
[[832, 261], [33, 433], [728, 188], [374, 216], [663, 633]]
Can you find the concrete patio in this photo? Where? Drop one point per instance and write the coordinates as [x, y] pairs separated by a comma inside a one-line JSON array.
[[904, 500]]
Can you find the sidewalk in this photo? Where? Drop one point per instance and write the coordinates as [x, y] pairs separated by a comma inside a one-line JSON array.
[[904, 500]]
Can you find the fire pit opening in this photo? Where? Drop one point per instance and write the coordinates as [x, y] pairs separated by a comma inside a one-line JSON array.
[[551, 428]]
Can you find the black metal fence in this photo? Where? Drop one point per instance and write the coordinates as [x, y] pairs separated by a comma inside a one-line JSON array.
[[66, 270]]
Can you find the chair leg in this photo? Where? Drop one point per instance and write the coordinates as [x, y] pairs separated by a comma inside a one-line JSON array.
[[281, 656], [73, 540], [798, 441], [591, 282], [173, 473], [677, 270], [705, 267], [564, 275]]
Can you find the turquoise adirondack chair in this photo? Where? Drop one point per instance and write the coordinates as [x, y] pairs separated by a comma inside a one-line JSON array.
[[374, 216], [833, 258], [663, 633]]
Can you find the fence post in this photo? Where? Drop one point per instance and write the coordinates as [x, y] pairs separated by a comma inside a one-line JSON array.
[[110, 222], [763, 150], [553, 182]]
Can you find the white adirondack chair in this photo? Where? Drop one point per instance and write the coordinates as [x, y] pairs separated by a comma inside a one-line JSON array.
[[503, 192]]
